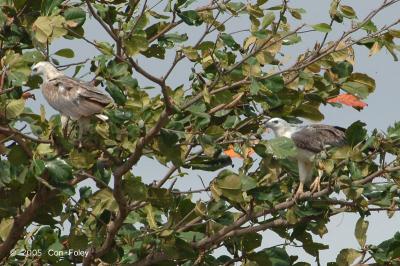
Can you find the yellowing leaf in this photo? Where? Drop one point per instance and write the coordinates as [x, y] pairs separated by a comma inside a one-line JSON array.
[[348, 11], [5, 227], [136, 44], [322, 27], [360, 231], [59, 30], [190, 53], [249, 41], [48, 28], [374, 49], [148, 209], [346, 257], [14, 108], [364, 79], [343, 53], [42, 28]]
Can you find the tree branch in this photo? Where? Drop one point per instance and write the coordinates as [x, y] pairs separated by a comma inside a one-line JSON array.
[[24, 219], [101, 21]]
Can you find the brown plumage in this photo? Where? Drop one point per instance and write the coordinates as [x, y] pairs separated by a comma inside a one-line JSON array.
[[73, 98], [316, 138]]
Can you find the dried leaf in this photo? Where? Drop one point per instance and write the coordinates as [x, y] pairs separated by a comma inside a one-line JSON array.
[[348, 99]]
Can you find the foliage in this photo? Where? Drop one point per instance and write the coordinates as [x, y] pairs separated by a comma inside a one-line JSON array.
[[238, 77]]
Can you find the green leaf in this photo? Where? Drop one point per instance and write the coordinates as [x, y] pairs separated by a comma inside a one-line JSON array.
[[356, 133], [347, 256], [76, 14], [49, 5], [38, 167], [364, 81], [5, 173], [360, 231], [82, 160], [155, 51], [322, 27], [85, 192], [229, 41], [356, 89], [229, 180], [190, 236], [191, 17], [343, 69], [309, 111], [14, 108], [116, 93], [105, 48], [394, 131], [248, 183], [387, 251], [66, 52], [369, 26], [281, 147], [251, 241], [78, 242], [17, 155], [272, 256], [268, 18], [136, 44], [274, 83], [59, 171], [207, 164], [134, 188]]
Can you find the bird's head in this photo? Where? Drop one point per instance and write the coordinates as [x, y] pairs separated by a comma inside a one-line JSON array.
[[46, 70], [278, 125]]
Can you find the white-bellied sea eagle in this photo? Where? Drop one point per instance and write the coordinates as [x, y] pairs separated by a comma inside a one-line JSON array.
[[75, 99], [309, 140]]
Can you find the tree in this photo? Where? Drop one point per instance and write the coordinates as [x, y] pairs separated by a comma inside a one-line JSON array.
[[238, 77]]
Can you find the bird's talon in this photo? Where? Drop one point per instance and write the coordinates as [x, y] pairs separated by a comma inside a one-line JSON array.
[[316, 185], [299, 193]]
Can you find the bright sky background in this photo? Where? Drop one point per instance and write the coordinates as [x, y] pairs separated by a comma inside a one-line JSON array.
[[383, 109]]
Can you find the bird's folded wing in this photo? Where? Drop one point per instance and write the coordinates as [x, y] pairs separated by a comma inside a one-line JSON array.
[[84, 99], [317, 137]]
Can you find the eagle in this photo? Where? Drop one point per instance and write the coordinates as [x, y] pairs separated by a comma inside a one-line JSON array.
[[309, 140], [74, 99]]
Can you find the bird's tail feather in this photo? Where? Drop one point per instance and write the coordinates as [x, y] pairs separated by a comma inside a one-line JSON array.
[[103, 118]]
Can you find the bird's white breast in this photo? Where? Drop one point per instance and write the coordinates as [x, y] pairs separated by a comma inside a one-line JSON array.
[[305, 155]]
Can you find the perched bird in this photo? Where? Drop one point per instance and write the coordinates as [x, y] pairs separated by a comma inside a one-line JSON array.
[[309, 140], [73, 98]]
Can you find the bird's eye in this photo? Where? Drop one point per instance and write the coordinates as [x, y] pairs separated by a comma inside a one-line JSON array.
[[34, 69], [276, 122]]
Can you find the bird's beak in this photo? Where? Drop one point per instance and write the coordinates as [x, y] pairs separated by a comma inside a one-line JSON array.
[[267, 125], [265, 120]]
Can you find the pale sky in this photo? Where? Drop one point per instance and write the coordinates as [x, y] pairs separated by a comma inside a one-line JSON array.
[[382, 111]]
